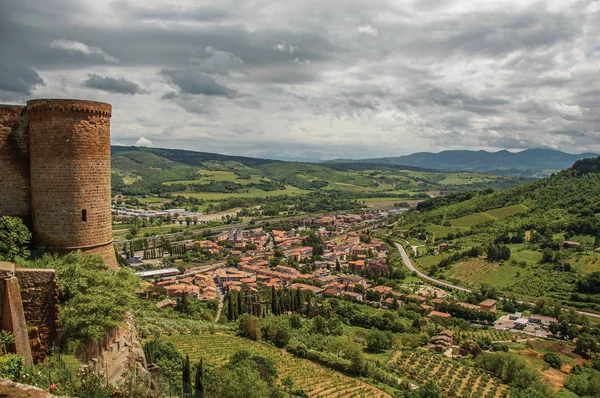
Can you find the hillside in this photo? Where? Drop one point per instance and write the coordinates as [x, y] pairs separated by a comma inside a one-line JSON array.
[[146, 171], [533, 221], [527, 163]]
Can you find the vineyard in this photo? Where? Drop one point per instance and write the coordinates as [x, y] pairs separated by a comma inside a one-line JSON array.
[[493, 334], [316, 380], [456, 379]]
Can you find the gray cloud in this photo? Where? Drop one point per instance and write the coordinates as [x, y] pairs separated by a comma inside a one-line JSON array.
[[189, 81], [113, 85], [330, 79], [19, 79]]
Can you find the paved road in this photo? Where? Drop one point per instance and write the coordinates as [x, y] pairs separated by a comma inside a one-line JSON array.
[[422, 275], [411, 267]]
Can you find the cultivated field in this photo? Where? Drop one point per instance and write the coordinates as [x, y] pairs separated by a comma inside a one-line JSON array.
[[491, 215], [456, 379], [316, 380]]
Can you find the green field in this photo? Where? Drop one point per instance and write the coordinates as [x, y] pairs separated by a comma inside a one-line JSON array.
[[252, 193], [472, 219], [469, 178], [207, 176], [490, 215]]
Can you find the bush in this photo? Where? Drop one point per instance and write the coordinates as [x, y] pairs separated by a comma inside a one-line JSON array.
[[553, 359], [11, 366], [93, 297], [249, 327]]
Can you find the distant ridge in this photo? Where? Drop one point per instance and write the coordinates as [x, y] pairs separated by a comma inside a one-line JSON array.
[[527, 163]]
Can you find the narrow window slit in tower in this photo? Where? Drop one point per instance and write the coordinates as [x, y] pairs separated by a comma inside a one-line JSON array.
[[83, 215]]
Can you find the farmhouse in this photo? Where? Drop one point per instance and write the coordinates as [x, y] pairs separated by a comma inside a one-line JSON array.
[[488, 305]]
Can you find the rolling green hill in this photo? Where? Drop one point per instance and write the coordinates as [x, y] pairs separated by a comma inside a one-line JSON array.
[[155, 171], [533, 221]]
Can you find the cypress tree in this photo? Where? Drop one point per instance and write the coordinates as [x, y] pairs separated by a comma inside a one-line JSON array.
[[229, 307], [199, 382], [186, 375], [239, 303], [274, 304]]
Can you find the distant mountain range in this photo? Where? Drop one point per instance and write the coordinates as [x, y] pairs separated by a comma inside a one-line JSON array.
[[527, 163]]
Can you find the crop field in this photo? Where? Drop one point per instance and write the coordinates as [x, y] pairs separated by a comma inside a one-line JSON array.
[[508, 211], [455, 378], [441, 231], [491, 215], [252, 193], [206, 176], [316, 380], [472, 219], [493, 334], [478, 271], [469, 178]]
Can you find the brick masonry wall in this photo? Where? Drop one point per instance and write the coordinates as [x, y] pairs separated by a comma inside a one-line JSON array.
[[39, 293], [70, 174], [14, 163]]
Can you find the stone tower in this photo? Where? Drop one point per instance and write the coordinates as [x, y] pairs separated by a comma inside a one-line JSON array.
[[15, 195], [69, 174]]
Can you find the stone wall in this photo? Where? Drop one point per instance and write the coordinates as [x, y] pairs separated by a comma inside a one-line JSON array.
[[39, 294], [118, 351], [11, 389], [14, 163]]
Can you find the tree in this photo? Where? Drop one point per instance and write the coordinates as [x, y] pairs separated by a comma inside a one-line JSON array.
[[199, 379], [586, 345], [249, 327], [15, 238], [378, 341], [430, 390], [553, 359], [296, 321], [186, 374]]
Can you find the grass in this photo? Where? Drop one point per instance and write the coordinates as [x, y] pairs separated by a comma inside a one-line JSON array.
[[508, 211], [491, 215], [472, 219]]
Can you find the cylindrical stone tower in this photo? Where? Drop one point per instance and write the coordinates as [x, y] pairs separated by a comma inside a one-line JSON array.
[[69, 145], [15, 199]]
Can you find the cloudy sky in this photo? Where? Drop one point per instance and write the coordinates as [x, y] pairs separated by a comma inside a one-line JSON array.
[[317, 79]]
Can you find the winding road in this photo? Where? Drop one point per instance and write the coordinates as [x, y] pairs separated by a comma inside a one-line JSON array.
[[410, 266]]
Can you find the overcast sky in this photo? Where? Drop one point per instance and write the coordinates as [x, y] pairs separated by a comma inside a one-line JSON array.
[[316, 79]]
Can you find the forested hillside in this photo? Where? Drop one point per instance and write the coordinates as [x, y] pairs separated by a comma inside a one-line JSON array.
[[536, 240]]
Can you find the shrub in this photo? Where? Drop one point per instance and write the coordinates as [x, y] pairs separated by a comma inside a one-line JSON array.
[[11, 366], [553, 359]]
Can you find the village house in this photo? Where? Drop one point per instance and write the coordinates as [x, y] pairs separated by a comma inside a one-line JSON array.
[[353, 296], [442, 341], [440, 314], [488, 305]]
